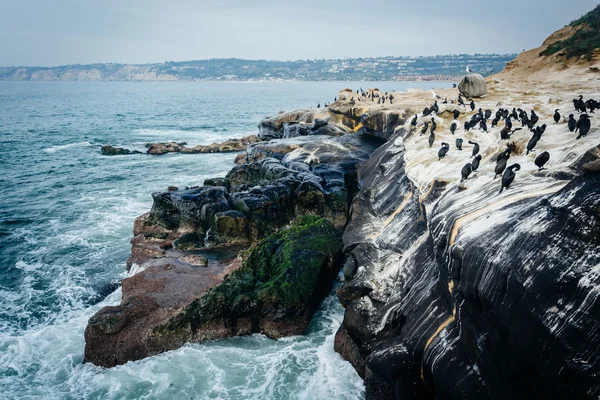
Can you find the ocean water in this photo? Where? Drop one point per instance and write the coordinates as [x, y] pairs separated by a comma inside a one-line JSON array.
[[66, 216]]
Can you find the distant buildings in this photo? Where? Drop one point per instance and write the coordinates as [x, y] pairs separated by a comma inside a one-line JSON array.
[[446, 67]]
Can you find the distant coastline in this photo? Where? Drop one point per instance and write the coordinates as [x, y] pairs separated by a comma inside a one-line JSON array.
[[435, 68]]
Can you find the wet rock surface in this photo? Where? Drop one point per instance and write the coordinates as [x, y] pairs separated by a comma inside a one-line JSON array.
[[187, 246], [228, 146], [107, 150], [231, 145]]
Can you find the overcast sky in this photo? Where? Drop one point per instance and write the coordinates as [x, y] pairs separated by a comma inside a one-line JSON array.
[[56, 32]]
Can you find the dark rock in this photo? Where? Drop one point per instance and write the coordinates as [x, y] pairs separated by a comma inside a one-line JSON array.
[[227, 146], [218, 182], [280, 285], [445, 307], [107, 150], [232, 227]]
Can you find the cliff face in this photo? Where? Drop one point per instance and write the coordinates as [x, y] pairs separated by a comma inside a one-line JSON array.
[[453, 290]]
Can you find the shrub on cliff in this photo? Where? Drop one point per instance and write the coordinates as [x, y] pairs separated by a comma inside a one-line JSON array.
[[585, 39]]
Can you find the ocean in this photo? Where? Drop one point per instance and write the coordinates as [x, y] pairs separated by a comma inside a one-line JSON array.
[[66, 218]]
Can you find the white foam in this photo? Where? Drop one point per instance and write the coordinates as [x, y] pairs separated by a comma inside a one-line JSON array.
[[54, 149]]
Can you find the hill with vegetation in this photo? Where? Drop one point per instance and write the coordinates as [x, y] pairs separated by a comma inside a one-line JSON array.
[[444, 67]]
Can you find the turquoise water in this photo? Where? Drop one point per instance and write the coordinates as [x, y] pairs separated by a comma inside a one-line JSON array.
[[66, 215]]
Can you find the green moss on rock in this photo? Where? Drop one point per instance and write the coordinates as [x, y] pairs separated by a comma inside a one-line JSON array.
[[279, 277]]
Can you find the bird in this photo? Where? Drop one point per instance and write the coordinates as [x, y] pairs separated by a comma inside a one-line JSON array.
[[425, 128], [468, 70], [431, 139], [472, 105], [319, 105], [475, 162], [584, 125], [467, 126], [495, 122], [488, 114], [483, 126], [459, 143], [504, 154], [475, 148], [508, 123], [460, 100], [534, 117], [443, 150], [501, 165], [556, 116], [542, 159], [572, 123], [509, 176], [414, 120], [514, 114], [433, 125], [580, 105], [592, 105], [506, 133], [532, 143], [453, 127], [466, 171], [456, 114]]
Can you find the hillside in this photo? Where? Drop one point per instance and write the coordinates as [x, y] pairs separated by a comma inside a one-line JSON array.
[[357, 69]]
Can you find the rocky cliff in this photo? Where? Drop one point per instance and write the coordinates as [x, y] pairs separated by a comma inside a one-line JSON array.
[[454, 286]]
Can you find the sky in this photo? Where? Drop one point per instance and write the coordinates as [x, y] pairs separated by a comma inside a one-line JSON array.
[[59, 32]]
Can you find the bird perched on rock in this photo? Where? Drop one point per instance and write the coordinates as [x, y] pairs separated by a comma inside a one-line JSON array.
[[453, 127], [495, 122], [460, 100], [483, 126], [542, 159], [475, 162], [467, 126], [508, 123], [425, 128], [534, 117], [456, 114], [433, 125], [556, 116], [488, 114], [426, 111], [475, 148], [472, 105], [466, 171], [431, 139], [592, 105], [501, 161], [509, 176], [579, 104], [515, 116], [436, 108], [532, 143], [414, 120], [459, 143], [443, 151], [572, 123], [584, 125]]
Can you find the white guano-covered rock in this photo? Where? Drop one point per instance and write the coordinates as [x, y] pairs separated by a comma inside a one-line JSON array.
[[473, 85]]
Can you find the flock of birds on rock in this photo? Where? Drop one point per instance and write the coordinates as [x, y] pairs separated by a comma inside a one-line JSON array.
[[528, 120]]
